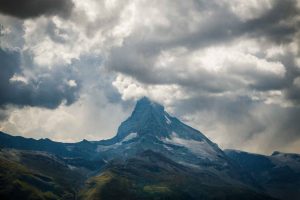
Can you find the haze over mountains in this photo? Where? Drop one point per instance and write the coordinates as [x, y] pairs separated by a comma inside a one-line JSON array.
[[152, 156]]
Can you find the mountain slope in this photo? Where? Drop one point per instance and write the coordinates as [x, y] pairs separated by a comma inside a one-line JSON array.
[[37, 175], [150, 175], [80, 149], [278, 174], [150, 127]]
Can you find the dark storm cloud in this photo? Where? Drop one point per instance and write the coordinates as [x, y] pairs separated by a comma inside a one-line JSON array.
[[33, 8], [48, 89], [278, 24], [293, 94], [140, 49], [292, 91]]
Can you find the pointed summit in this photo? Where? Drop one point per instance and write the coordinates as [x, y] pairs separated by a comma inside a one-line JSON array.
[[144, 100], [146, 104], [145, 108], [148, 117], [151, 127]]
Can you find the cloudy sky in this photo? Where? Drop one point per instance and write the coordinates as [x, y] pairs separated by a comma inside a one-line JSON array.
[[72, 69]]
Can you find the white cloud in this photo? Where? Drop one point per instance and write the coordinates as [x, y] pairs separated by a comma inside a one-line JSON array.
[[132, 89], [250, 9], [85, 119], [182, 73], [46, 50], [18, 78], [72, 83]]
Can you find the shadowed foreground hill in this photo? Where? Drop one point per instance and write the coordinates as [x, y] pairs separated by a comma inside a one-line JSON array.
[[34, 176], [152, 176]]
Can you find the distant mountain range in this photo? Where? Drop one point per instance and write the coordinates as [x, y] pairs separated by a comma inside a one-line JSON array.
[[152, 156]]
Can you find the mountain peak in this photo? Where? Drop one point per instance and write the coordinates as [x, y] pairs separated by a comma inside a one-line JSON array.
[[150, 120], [144, 99], [150, 127], [146, 114], [146, 103]]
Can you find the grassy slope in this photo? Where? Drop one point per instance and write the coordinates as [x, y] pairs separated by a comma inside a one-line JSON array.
[[32, 175], [18, 182], [117, 186]]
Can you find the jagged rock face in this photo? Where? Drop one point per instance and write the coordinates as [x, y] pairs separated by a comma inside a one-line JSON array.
[[150, 127], [148, 118]]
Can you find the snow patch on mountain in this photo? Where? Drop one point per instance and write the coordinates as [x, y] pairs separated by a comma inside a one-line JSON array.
[[168, 147], [200, 148], [71, 167], [130, 136], [286, 159], [168, 121]]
